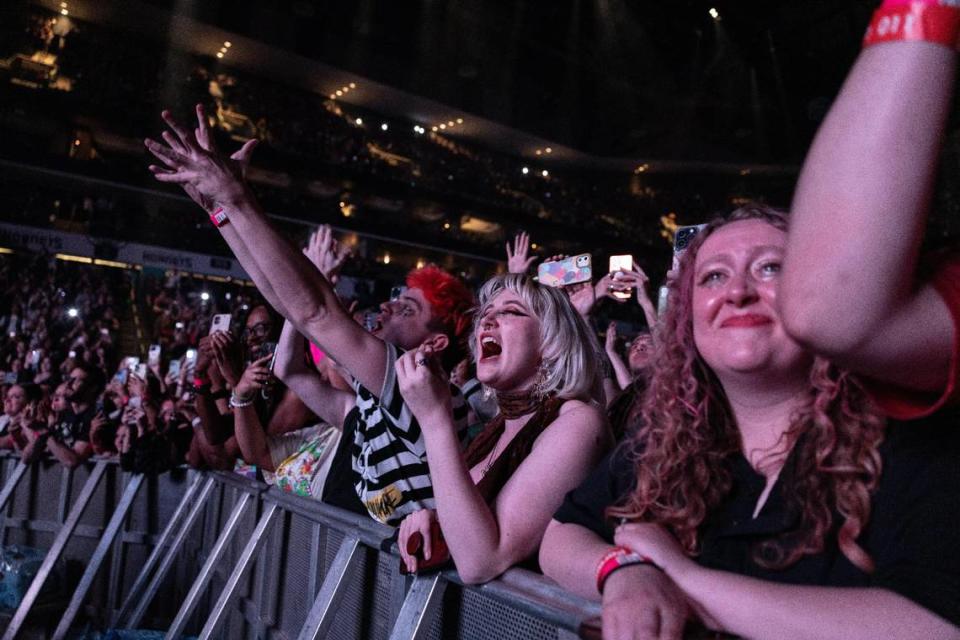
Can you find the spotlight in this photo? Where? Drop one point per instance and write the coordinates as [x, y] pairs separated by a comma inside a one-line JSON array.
[[339, 92], [386, 258], [353, 85], [459, 120], [72, 312], [548, 150], [204, 296], [545, 173], [443, 126], [219, 54], [525, 170], [714, 13], [359, 121], [384, 126], [228, 44]]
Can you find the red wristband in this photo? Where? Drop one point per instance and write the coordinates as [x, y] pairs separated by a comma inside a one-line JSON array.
[[618, 558], [914, 22], [219, 217]]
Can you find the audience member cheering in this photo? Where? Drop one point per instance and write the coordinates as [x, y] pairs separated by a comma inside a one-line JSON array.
[[390, 480], [494, 502]]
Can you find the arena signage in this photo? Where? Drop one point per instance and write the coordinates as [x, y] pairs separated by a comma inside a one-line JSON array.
[[51, 241]]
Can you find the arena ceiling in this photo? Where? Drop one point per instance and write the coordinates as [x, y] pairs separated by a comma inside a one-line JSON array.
[[617, 83]]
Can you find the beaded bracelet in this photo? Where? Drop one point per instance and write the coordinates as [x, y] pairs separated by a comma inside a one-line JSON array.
[[238, 402]]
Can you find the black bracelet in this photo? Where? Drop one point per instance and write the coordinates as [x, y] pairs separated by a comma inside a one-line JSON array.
[[219, 395]]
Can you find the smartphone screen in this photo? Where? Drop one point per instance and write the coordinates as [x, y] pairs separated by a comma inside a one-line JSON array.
[[153, 356], [621, 263]]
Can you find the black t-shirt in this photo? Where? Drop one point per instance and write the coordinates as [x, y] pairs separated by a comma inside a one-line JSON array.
[[71, 427], [913, 534], [338, 489]]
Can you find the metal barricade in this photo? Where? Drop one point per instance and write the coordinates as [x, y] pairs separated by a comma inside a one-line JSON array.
[[219, 556]]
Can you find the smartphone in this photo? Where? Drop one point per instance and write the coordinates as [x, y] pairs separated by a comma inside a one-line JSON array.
[[72, 354], [396, 292], [142, 371], [35, 358], [153, 356], [135, 402], [682, 239], [266, 349], [220, 322], [370, 320], [10, 377], [566, 272], [618, 264]]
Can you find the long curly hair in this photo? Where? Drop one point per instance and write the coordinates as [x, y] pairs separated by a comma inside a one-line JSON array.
[[682, 451]]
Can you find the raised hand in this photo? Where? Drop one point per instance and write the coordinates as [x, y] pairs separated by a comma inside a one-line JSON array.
[[518, 258], [327, 253], [191, 159], [226, 355], [610, 341], [423, 385], [254, 377]]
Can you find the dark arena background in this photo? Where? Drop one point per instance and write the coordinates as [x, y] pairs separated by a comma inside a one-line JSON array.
[[422, 132]]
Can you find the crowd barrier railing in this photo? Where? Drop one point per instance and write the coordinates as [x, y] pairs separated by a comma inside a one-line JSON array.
[[218, 555]]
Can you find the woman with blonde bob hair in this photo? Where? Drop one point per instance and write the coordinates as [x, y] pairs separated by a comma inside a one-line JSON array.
[[759, 467], [494, 501]]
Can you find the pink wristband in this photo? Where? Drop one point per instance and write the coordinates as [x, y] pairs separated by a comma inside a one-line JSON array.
[[617, 558]]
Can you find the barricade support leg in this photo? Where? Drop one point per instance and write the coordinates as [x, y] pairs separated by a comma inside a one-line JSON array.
[[59, 544], [168, 559], [332, 590], [18, 472], [99, 554], [206, 571], [257, 538], [425, 594]]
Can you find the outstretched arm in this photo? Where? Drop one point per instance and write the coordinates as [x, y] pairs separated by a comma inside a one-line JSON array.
[[849, 287], [755, 608], [331, 405], [301, 293]]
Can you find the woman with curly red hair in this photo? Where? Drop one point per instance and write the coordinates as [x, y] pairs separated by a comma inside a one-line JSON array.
[[760, 466]]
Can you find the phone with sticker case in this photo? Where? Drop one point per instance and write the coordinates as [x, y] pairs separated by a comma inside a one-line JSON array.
[[562, 273]]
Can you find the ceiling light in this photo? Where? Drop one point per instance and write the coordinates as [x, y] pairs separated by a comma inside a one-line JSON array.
[[539, 152], [545, 173], [353, 85], [64, 12], [446, 225], [548, 150], [219, 54], [714, 13], [204, 296], [339, 93], [345, 89], [433, 128], [450, 123], [333, 96], [384, 126], [443, 126], [459, 120], [525, 170], [359, 121], [228, 44]]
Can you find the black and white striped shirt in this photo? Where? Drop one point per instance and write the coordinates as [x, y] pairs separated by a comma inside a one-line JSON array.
[[389, 454]]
